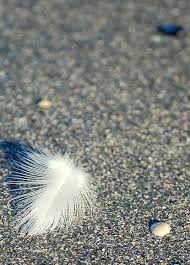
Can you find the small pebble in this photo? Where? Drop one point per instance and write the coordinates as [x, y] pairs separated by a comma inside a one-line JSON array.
[[44, 104], [170, 29], [160, 229], [156, 39]]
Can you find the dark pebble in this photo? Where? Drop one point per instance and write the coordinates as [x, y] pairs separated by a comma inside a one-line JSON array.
[[170, 29]]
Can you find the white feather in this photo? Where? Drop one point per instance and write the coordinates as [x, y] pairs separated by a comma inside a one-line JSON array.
[[54, 191]]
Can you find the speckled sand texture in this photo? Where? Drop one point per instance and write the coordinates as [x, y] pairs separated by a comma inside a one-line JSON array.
[[120, 101]]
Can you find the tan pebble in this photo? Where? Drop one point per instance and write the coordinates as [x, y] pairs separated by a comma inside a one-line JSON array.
[[160, 229], [44, 104]]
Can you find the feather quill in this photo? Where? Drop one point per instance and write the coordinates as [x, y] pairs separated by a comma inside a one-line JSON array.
[[50, 191]]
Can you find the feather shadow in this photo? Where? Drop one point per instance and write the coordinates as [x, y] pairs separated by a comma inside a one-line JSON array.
[[11, 150]]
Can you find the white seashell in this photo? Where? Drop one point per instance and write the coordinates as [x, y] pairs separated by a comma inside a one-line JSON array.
[[160, 229]]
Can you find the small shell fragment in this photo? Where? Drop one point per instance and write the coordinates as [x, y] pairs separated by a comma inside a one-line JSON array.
[[160, 229], [44, 104]]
